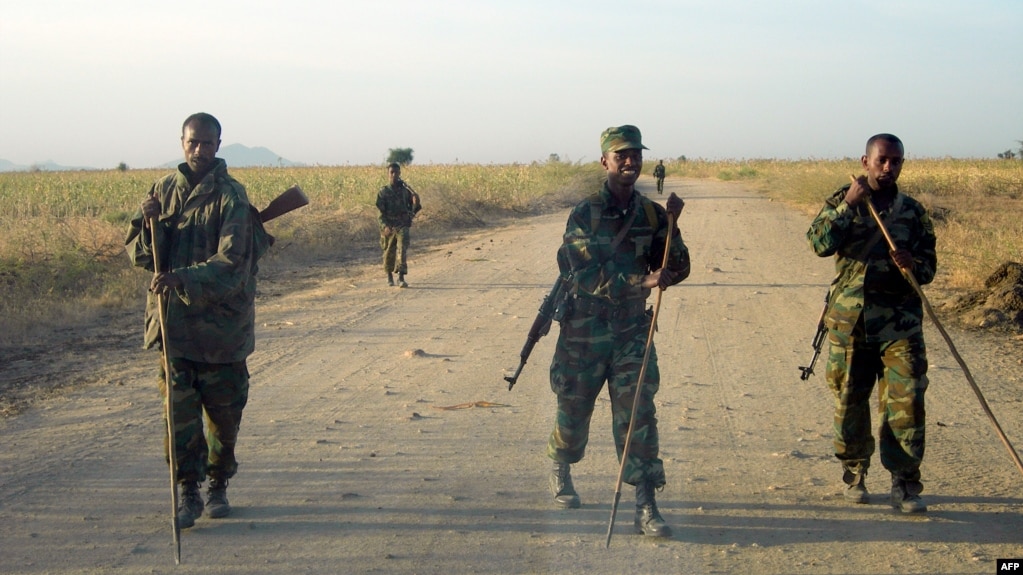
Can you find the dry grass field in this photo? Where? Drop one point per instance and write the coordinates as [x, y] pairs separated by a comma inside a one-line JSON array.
[[61, 233], [976, 204], [61, 251]]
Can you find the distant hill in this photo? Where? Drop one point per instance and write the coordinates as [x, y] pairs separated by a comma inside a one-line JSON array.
[[236, 156], [241, 156], [47, 166]]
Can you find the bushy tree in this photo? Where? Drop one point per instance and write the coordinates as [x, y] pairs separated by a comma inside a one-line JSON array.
[[122, 167], [403, 156], [1007, 155]]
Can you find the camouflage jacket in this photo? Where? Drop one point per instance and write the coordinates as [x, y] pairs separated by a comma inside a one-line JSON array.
[[211, 237], [397, 206], [585, 253], [867, 282], [659, 171]]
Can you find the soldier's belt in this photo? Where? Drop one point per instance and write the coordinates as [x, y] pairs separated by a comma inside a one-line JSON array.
[[607, 309]]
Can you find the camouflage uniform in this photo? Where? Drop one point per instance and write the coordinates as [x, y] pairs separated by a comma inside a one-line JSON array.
[[605, 325], [210, 237], [659, 174], [397, 208], [875, 331]]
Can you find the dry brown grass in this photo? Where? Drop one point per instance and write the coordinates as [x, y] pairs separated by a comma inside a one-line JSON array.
[[976, 204], [61, 234]]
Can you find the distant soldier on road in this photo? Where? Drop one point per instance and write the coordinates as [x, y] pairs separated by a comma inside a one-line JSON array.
[[611, 254], [659, 174], [875, 320], [209, 238], [398, 204]]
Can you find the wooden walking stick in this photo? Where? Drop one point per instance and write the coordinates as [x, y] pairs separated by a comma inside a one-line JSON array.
[[639, 386], [168, 413], [908, 274]]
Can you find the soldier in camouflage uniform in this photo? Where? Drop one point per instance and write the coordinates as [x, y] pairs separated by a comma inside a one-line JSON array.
[[398, 204], [209, 238], [874, 319], [611, 254], [659, 174]]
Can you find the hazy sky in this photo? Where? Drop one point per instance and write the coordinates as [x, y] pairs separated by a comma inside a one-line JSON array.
[[89, 83]]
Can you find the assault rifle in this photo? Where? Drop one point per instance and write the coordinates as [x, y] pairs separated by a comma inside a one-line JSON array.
[[542, 324], [818, 343], [290, 199], [416, 203]]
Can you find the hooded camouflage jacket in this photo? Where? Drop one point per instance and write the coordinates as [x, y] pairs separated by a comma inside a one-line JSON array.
[[867, 281], [585, 253], [211, 237]]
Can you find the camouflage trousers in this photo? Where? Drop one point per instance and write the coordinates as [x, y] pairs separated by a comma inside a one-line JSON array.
[[899, 368], [589, 352], [216, 393], [395, 248]]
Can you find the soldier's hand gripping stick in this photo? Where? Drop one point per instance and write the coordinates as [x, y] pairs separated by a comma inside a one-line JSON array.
[[172, 458]]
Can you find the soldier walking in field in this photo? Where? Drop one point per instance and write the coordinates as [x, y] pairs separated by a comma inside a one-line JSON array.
[[398, 204], [874, 319], [208, 239], [611, 256]]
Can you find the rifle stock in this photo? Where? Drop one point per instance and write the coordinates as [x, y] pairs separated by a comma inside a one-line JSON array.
[[289, 200], [541, 325]]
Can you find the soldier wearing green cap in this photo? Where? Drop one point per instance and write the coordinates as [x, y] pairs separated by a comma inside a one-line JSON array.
[[611, 255]]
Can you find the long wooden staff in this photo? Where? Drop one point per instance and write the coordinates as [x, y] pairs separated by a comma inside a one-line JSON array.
[[168, 399], [941, 329], [639, 386]]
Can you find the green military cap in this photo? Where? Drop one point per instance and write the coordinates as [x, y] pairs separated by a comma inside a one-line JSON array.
[[616, 139]]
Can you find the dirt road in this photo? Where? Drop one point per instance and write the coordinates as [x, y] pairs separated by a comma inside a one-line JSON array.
[[350, 464]]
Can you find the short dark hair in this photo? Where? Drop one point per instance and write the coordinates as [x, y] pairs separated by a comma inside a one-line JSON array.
[[890, 138], [203, 119], [393, 165]]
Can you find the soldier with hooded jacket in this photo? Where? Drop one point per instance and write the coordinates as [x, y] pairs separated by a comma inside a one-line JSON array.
[[209, 238], [611, 254], [874, 321]]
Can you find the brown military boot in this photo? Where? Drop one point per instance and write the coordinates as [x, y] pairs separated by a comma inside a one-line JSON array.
[[189, 504], [564, 493], [216, 499], [648, 520]]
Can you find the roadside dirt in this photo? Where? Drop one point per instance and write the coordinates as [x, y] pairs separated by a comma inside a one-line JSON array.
[[380, 436]]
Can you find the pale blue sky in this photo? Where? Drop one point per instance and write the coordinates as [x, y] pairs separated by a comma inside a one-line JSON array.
[[332, 82]]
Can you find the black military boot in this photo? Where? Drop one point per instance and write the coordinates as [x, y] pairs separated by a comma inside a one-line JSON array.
[[390, 279], [189, 504], [906, 496], [401, 281], [855, 486], [216, 499], [648, 519], [564, 493]]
